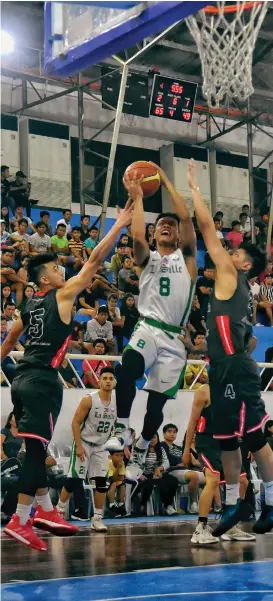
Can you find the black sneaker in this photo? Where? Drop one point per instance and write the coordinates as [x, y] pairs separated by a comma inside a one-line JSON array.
[[265, 522], [79, 514], [232, 514], [122, 510], [115, 512]]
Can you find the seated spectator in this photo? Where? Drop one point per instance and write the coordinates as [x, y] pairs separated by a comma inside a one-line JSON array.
[[193, 370], [100, 327], [124, 239], [85, 222], [5, 236], [261, 235], [101, 286], [87, 302], [28, 293], [5, 295], [67, 373], [67, 214], [6, 199], [128, 280], [266, 294], [204, 287], [10, 442], [196, 319], [177, 469], [244, 224], [20, 191], [255, 289], [130, 313], [116, 320], [9, 314], [218, 226], [19, 214], [268, 432], [154, 475], [77, 248], [92, 241], [235, 237], [59, 242], [9, 275], [268, 372], [116, 491], [130, 237], [22, 271], [39, 242], [219, 215], [117, 261], [92, 367], [7, 366], [268, 271], [76, 343], [20, 239], [149, 235], [44, 217], [5, 217], [245, 209]]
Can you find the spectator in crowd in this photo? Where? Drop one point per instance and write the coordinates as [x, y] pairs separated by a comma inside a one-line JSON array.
[[92, 241], [124, 239], [87, 303], [117, 261], [68, 375], [177, 469], [255, 289], [267, 297], [268, 432], [235, 237], [45, 217], [204, 287], [218, 226], [244, 226], [268, 271], [76, 343], [101, 285], [39, 242], [100, 327], [5, 295], [116, 320], [4, 234], [20, 191], [9, 275], [92, 367], [20, 239], [219, 215], [7, 366], [19, 214], [128, 280], [245, 209], [149, 235], [9, 314], [59, 243], [116, 491], [260, 232], [67, 214], [5, 189], [29, 292], [268, 372], [22, 271], [77, 248], [130, 313], [5, 216], [85, 222], [130, 237], [10, 442], [196, 319], [192, 371]]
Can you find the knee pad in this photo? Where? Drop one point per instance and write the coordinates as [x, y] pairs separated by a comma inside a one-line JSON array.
[[133, 365], [229, 444], [71, 484], [101, 485], [255, 441]]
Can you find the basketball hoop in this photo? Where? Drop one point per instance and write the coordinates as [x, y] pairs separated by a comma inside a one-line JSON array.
[[225, 35]]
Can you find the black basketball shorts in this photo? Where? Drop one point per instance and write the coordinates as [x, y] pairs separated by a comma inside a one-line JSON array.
[[235, 389], [209, 453], [37, 398]]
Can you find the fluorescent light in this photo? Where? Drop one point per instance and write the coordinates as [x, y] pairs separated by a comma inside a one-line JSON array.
[[7, 42]]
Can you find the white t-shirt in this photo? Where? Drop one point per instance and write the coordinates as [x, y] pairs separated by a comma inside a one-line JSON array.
[[67, 225], [219, 235], [40, 243], [255, 289]]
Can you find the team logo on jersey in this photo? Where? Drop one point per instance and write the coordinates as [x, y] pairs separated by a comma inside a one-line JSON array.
[[165, 260], [176, 258]]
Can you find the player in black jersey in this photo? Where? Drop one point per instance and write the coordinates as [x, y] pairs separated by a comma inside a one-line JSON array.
[[237, 407], [36, 391], [209, 453]]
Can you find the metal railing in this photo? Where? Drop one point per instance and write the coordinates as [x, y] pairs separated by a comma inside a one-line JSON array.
[[15, 355]]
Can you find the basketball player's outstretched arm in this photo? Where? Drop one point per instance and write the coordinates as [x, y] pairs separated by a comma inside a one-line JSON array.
[[201, 397], [141, 246], [226, 274]]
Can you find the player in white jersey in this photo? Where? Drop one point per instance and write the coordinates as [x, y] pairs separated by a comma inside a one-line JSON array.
[[92, 425], [166, 288]]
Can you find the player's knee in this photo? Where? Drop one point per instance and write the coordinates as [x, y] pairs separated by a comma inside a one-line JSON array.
[[133, 364], [101, 484], [229, 444], [243, 483], [71, 484], [212, 478], [255, 441]]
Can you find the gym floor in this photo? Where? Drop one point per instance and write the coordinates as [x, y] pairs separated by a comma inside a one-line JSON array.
[[149, 558]]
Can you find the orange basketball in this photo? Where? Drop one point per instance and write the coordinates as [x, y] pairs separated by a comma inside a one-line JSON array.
[[151, 181]]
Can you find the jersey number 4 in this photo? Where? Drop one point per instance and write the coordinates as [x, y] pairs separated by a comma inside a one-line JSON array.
[[36, 329], [229, 392]]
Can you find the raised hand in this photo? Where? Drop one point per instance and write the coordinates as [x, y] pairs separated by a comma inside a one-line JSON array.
[[124, 216], [192, 175], [163, 177], [133, 186]]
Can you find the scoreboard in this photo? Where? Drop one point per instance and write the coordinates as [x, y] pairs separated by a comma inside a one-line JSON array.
[[173, 98], [136, 100]]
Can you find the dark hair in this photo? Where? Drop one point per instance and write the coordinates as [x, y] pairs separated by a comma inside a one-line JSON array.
[[23, 220], [44, 213], [245, 206], [84, 216], [10, 249], [65, 211], [10, 303], [121, 245], [93, 227], [7, 424], [162, 215], [112, 296], [215, 218], [107, 370], [9, 299], [268, 275], [76, 228], [40, 224], [37, 265], [157, 448], [195, 334], [235, 222], [103, 309], [28, 286], [268, 355], [126, 257], [122, 236], [4, 168], [219, 213], [268, 425], [100, 341], [60, 225], [243, 215], [257, 257], [147, 232], [125, 298], [168, 426]]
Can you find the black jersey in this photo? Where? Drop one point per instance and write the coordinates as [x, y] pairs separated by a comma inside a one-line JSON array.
[[230, 322], [47, 337], [204, 424]]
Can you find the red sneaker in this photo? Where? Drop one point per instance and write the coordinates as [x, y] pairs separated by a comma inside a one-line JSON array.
[[53, 522], [24, 534]]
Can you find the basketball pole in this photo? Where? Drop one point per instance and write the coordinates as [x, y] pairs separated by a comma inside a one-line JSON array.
[[250, 172], [81, 144], [270, 221]]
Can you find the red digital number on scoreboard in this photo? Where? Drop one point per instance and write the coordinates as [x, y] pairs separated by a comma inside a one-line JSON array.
[[171, 112], [186, 116], [159, 97], [176, 88], [159, 110], [175, 100]]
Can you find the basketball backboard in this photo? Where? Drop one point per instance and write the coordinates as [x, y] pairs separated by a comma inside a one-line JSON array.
[[78, 35]]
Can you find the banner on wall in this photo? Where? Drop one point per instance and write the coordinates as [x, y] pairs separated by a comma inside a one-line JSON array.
[[176, 411]]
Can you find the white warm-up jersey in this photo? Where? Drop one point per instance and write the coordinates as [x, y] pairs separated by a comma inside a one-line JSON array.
[[100, 420], [166, 289]]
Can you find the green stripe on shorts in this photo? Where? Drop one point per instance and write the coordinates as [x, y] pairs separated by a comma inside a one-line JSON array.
[[72, 462]]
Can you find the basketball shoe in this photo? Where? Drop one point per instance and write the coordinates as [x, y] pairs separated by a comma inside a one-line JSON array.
[[53, 522], [232, 514], [203, 535], [135, 466], [121, 437], [265, 522], [24, 534], [97, 524], [235, 533]]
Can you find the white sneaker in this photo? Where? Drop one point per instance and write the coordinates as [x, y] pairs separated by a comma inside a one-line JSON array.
[[194, 508], [236, 533], [136, 464], [170, 510], [98, 525], [203, 535], [61, 510], [114, 444]]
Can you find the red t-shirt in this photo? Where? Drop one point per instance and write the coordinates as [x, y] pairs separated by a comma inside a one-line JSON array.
[[96, 366], [235, 239]]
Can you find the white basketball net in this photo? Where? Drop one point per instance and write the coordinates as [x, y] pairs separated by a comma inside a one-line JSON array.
[[225, 43]]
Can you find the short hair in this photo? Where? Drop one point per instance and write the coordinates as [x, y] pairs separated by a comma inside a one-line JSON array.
[[172, 215], [235, 222], [121, 245], [268, 275], [219, 213], [243, 215], [85, 216], [37, 264], [4, 168], [107, 370], [100, 341], [23, 220], [216, 218], [44, 213], [40, 224], [61, 225], [65, 211], [113, 296], [245, 206], [9, 303], [126, 257], [93, 227], [103, 309], [76, 228], [10, 249], [168, 426], [257, 257], [195, 334]]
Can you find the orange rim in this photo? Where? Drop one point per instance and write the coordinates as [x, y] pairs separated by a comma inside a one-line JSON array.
[[213, 10]]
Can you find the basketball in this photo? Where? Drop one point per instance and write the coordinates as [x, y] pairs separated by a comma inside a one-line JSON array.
[[151, 181]]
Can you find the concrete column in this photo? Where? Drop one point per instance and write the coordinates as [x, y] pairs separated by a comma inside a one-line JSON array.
[[24, 145], [167, 163]]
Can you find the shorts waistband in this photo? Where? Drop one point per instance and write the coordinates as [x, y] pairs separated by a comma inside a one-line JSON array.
[[230, 358], [161, 325]]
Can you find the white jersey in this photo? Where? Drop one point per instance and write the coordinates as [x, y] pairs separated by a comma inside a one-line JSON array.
[[100, 420], [166, 289]]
